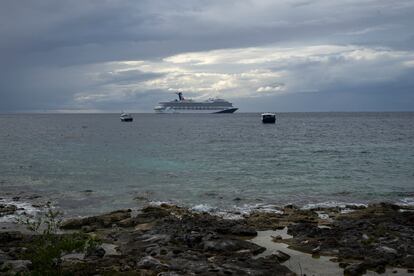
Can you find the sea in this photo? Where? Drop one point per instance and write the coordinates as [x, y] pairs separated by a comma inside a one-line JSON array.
[[87, 164]]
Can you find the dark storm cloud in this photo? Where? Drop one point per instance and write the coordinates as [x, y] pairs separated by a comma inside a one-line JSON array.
[[50, 49], [396, 95]]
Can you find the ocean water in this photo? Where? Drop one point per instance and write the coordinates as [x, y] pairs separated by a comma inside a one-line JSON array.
[[92, 163]]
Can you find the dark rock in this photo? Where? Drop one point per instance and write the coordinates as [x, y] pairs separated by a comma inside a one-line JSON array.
[[281, 256], [76, 223], [169, 273], [408, 261], [16, 266], [149, 262], [375, 264], [240, 230], [354, 270], [10, 236], [105, 220], [3, 257], [316, 250], [384, 205], [34, 197], [95, 252], [277, 238], [88, 228], [232, 245], [343, 265], [291, 206], [128, 222], [7, 209], [187, 264]]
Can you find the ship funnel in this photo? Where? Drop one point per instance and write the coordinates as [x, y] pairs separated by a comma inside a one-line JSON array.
[[180, 96]]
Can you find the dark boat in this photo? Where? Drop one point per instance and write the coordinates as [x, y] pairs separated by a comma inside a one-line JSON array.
[[125, 117], [268, 118]]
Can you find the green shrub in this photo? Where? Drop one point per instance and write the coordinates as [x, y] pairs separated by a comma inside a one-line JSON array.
[[48, 245]]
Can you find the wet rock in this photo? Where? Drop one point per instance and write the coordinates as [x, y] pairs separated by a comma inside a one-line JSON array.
[[375, 264], [230, 245], [128, 222], [144, 226], [302, 229], [88, 228], [149, 262], [114, 217], [265, 221], [280, 256], [3, 257], [169, 273], [31, 197], [72, 256], [354, 270], [242, 230], [7, 209], [388, 250], [277, 238], [384, 206], [105, 220], [151, 213], [343, 264], [76, 223], [110, 249], [291, 207], [189, 264], [316, 250], [98, 252], [408, 261], [10, 236], [16, 266]]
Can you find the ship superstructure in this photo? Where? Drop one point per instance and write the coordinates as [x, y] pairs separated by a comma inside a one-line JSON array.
[[182, 105]]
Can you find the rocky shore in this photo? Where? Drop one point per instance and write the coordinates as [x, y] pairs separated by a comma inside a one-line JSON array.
[[170, 240]]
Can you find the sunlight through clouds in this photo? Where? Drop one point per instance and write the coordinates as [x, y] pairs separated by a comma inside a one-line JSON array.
[[251, 72]]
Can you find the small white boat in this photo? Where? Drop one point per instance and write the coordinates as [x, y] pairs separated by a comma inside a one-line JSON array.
[[126, 117], [268, 118]]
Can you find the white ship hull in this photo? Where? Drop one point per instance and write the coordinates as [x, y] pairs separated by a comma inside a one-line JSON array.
[[195, 111], [183, 105]]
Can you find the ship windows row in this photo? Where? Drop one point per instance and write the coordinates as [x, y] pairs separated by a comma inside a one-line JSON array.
[[196, 108]]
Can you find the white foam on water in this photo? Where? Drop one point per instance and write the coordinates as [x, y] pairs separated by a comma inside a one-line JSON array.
[[23, 208], [203, 208], [332, 204], [159, 203], [235, 212], [239, 212], [323, 215], [407, 201], [247, 209]]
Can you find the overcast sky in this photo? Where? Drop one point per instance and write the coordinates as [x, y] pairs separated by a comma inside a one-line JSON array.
[[296, 55]]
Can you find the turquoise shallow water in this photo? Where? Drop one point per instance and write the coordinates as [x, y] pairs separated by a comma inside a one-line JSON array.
[[227, 161]]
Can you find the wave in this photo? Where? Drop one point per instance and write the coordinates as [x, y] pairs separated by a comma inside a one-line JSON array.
[[23, 208], [407, 201]]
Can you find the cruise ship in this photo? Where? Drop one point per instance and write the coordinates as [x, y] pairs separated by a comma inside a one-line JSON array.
[[182, 105]]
